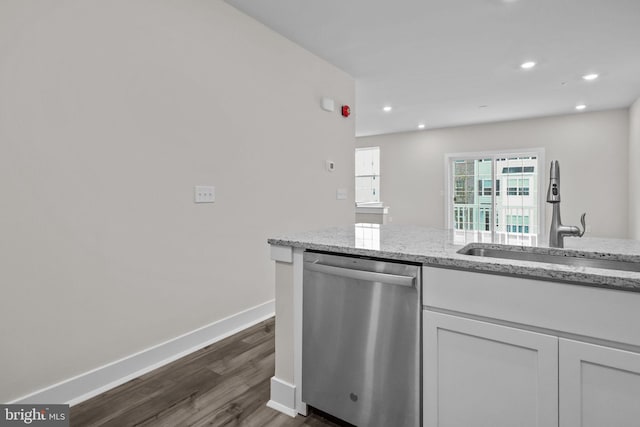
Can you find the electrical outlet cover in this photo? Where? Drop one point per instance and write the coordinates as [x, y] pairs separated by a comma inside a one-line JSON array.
[[204, 194]]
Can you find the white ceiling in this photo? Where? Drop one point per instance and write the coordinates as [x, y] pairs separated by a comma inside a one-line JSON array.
[[454, 62]]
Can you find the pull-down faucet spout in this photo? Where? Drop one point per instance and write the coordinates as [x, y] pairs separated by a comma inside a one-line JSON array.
[[559, 231]]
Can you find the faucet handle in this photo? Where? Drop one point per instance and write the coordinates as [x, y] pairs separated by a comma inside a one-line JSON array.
[[584, 225]]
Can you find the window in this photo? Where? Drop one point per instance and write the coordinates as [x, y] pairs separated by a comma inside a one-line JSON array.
[[368, 175], [517, 169], [485, 219], [464, 181], [517, 224], [484, 187], [477, 204], [518, 187]]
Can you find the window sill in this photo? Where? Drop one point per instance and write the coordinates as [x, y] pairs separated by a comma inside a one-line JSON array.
[[372, 208]]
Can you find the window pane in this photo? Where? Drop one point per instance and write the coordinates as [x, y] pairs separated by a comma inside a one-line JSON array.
[[368, 161], [518, 208], [472, 194], [367, 168], [367, 189]]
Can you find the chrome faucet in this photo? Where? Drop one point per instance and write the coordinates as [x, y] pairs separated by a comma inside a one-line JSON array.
[[559, 231]]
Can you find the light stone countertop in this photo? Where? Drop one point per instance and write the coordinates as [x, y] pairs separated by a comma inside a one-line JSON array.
[[438, 248]]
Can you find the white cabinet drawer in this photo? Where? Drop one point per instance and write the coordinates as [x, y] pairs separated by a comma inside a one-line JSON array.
[[586, 311]]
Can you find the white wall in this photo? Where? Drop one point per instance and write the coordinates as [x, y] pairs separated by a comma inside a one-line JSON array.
[[110, 113], [634, 173], [592, 149]]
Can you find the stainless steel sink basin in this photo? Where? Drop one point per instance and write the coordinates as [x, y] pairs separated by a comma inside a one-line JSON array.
[[583, 259]]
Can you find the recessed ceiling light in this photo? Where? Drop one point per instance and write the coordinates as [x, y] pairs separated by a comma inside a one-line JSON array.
[[590, 77], [527, 65], [580, 107], [421, 126], [386, 108]]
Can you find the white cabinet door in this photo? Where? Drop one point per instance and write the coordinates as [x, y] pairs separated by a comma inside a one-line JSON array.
[[485, 375], [599, 386]]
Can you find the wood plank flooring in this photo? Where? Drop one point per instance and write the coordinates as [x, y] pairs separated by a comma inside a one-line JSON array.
[[224, 384]]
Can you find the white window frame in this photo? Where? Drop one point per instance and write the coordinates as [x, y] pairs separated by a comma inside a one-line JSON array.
[[449, 158], [379, 202]]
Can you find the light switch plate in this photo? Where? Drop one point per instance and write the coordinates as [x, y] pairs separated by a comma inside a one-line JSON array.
[[341, 194], [204, 194]]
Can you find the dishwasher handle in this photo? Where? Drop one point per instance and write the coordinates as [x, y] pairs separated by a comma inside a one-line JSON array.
[[370, 276]]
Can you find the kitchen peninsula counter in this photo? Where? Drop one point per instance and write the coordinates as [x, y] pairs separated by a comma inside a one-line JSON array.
[[439, 248], [555, 318]]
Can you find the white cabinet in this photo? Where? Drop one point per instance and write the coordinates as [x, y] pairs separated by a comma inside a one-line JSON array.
[[599, 386], [505, 351], [485, 375]]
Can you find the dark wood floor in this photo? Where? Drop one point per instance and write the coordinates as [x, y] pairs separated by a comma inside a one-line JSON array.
[[224, 384]]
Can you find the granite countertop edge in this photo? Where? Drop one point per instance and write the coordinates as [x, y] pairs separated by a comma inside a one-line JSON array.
[[526, 269]]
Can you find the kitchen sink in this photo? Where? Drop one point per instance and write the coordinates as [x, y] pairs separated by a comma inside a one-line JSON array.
[[582, 259]]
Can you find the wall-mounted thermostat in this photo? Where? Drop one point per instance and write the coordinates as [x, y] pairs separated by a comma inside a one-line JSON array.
[[331, 166]]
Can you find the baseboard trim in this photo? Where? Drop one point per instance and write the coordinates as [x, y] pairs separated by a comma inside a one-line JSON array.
[[281, 408], [89, 384], [283, 397]]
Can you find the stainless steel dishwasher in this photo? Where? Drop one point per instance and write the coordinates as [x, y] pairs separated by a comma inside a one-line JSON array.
[[361, 339]]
